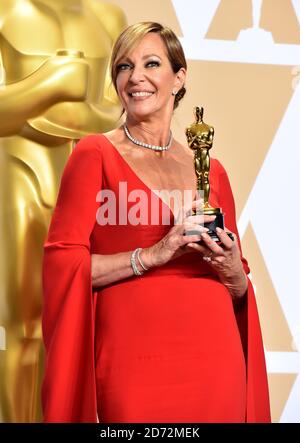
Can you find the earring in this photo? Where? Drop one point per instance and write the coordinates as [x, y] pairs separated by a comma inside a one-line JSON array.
[[174, 92]]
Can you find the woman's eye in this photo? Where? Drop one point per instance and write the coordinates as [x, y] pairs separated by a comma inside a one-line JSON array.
[[123, 67], [152, 64]]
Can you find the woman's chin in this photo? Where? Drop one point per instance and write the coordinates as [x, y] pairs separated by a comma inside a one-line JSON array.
[[140, 115], [143, 113]]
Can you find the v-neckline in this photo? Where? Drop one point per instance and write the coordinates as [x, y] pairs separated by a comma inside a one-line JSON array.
[[137, 177]]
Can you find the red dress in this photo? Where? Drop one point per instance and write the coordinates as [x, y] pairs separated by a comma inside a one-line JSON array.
[[165, 347]]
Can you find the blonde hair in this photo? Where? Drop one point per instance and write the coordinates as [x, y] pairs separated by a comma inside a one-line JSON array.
[[130, 38]]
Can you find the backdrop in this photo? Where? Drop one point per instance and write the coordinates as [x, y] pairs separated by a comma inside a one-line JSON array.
[[244, 67]]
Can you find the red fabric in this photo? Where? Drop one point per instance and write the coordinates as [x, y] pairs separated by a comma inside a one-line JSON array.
[[165, 347]]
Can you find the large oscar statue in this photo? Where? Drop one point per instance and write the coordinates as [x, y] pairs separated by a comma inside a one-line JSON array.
[[55, 89], [200, 138]]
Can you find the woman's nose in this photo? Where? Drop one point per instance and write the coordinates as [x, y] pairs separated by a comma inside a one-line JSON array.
[[137, 74]]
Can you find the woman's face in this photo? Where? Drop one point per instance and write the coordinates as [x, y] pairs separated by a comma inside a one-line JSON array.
[[145, 79]]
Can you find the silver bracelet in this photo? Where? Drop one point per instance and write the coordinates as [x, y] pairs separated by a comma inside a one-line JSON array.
[[133, 263], [140, 261]]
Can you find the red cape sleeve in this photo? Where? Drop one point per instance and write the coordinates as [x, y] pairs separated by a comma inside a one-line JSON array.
[[69, 388], [258, 405]]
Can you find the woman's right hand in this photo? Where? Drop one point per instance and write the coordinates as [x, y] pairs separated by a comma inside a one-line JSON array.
[[177, 240]]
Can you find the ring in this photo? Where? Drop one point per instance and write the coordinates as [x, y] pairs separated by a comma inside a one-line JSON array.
[[207, 258]]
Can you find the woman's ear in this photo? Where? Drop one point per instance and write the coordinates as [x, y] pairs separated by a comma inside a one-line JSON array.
[[180, 79]]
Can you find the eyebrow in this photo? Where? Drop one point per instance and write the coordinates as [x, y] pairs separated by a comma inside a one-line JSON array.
[[143, 58], [151, 55]]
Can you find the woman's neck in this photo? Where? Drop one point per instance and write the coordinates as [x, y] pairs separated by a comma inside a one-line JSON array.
[[152, 132]]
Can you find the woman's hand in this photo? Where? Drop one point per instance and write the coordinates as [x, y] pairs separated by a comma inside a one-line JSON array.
[[225, 259], [178, 241]]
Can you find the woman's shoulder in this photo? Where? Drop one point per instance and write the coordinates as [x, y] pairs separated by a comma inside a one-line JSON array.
[[92, 143]]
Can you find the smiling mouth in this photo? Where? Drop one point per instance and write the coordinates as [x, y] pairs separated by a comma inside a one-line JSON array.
[[141, 94]]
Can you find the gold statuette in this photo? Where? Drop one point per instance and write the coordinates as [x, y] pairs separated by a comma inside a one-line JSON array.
[[200, 139]]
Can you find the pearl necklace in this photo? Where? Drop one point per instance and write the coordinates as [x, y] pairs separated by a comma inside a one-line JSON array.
[[146, 145]]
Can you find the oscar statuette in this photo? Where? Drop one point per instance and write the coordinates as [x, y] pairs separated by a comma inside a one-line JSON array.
[[200, 139]]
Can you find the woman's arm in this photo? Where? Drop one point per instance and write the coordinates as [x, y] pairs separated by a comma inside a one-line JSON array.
[[107, 269], [226, 258], [235, 279], [69, 390]]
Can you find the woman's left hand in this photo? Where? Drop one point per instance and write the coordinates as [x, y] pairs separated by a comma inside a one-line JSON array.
[[225, 259]]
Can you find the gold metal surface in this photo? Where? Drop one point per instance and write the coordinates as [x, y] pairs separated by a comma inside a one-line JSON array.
[[54, 54], [200, 138]]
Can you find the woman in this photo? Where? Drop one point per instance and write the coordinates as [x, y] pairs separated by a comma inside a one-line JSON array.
[[140, 321]]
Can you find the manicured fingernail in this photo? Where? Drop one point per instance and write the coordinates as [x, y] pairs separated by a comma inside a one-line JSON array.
[[219, 230]]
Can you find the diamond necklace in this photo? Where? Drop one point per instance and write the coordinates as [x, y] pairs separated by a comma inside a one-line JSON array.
[[146, 145]]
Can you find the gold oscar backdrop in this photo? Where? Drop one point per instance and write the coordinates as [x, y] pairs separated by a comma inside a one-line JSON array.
[[244, 67], [54, 89]]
